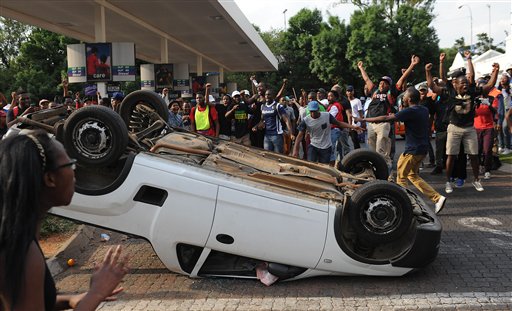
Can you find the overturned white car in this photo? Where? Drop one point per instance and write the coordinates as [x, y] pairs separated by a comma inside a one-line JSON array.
[[214, 208]]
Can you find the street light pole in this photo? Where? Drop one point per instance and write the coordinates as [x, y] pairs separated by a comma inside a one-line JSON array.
[[471, 25], [284, 15], [489, 6]]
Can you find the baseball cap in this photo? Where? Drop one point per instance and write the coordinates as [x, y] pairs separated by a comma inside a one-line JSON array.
[[387, 79], [313, 106], [321, 90], [235, 93], [42, 101], [423, 86], [118, 96], [350, 88]]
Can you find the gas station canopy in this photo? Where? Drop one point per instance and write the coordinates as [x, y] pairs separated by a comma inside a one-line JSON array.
[[209, 35]]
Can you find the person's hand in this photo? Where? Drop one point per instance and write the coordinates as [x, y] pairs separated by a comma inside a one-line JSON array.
[[292, 137], [235, 107], [108, 274], [254, 129], [65, 82], [498, 127], [495, 67], [252, 78], [13, 94], [360, 64], [295, 154], [467, 54], [77, 95], [208, 85], [357, 119], [441, 57], [358, 129], [415, 60], [428, 67], [285, 81]]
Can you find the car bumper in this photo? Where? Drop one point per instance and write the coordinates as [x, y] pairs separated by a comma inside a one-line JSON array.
[[426, 242]]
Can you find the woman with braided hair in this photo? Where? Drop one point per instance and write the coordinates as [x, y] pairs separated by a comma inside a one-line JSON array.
[[35, 175]]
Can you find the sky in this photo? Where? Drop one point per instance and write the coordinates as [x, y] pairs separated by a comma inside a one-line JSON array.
[[450, 22]]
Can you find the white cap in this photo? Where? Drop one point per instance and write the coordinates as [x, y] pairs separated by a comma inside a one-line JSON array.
[[235, 93], [246, 92]]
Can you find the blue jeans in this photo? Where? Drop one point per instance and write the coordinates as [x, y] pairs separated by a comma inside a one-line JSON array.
[[319, 155], [335, 135], [273, 143]]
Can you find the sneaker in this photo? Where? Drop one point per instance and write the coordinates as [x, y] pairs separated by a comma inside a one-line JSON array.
[[440, 204], [459, 182], [448, 187], [478, 185], [506, 151], [437, 170], [487, 175]]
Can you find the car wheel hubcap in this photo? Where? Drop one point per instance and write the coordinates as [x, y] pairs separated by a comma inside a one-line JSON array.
[[382, 215], [92, 139]]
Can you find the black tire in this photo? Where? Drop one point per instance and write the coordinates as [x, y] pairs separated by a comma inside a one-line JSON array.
[[95, 135], [380, 212], [356, 161], [148, 98]]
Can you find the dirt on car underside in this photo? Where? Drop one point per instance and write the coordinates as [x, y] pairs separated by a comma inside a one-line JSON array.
[[264, 167]]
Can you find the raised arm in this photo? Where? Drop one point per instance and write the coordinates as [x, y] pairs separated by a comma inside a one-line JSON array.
[[442, 76], [281, 90], [414, 61], [492, 81], [428, 73], [471, 70], [367, 81]]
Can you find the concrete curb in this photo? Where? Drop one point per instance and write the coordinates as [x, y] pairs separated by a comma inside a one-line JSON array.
[[75, 244]]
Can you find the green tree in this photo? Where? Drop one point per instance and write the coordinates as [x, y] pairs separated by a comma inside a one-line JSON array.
[[391, 7], [329, 49], [297, 49], [41, 63], [385, 47], [484, 43], [12, 35]]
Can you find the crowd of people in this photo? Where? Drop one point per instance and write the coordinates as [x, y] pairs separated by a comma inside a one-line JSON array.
[[471, 118]]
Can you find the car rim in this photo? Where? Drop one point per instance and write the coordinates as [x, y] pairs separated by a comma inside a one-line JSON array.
[[92, 139], [382, 215]]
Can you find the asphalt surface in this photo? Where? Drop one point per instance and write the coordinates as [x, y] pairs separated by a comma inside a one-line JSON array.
[[473, 270]]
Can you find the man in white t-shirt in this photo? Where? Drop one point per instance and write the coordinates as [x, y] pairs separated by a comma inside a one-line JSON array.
[[357, 112]]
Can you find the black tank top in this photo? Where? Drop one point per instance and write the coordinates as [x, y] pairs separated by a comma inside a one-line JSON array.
[[50, 292]]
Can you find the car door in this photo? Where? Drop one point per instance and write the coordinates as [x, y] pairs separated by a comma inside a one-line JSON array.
[[268, 228]]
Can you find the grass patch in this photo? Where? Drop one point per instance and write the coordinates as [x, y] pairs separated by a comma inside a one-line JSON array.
[[54, 225], [506, 158]]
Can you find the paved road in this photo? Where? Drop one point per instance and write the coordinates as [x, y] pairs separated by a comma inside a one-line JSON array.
[[472, 272]]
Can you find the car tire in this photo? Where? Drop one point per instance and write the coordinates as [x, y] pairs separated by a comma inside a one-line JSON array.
[[359, 159], [95, 135], [380, 212], [151, 99]]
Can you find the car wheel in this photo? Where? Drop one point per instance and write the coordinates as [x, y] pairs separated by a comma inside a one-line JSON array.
[[133, 118], [95, 135], [380, 212], [359, 160]]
